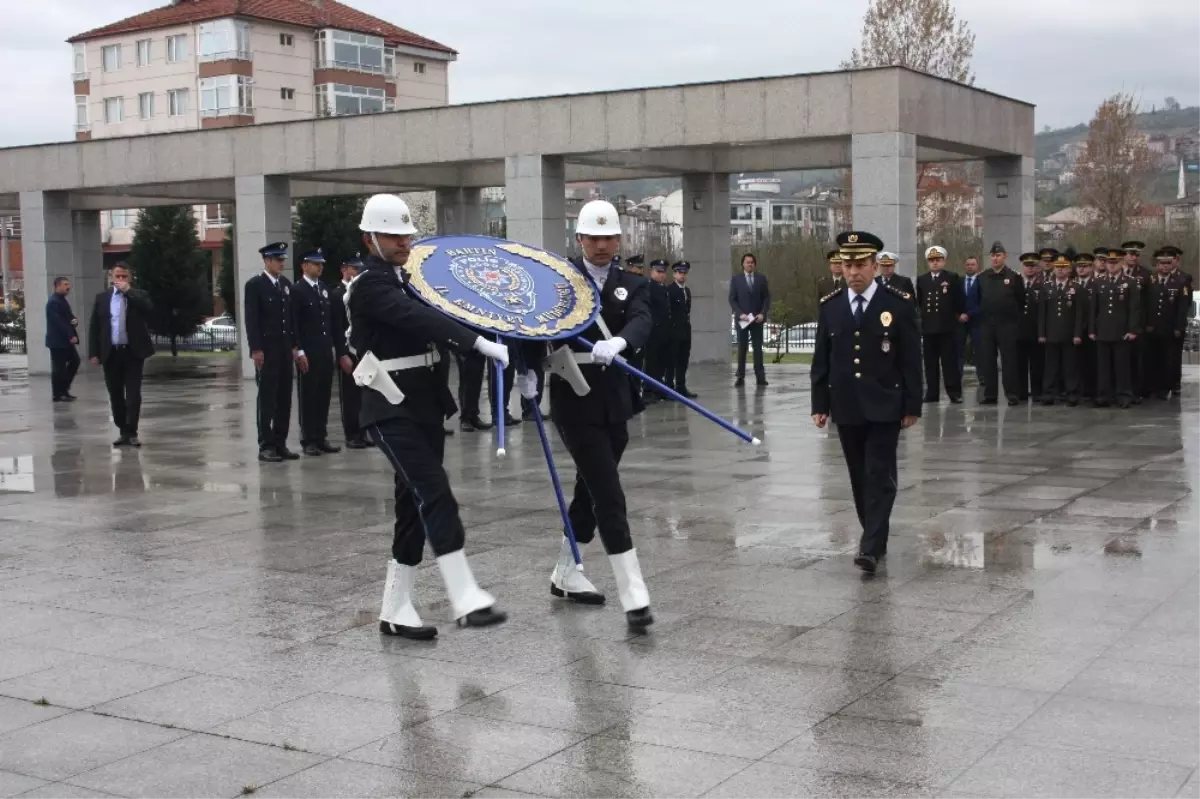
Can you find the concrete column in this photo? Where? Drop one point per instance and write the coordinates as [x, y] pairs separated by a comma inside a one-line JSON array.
[[706, 248], [1008, 204], [264, 215], [884, 185], [459, 211], [87, 269], [534, 204]]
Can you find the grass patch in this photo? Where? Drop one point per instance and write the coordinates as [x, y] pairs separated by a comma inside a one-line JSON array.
[[42, 702]]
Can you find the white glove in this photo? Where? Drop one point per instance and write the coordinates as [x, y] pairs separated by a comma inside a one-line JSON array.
[[527, 385], [497, 352], [606, 350]]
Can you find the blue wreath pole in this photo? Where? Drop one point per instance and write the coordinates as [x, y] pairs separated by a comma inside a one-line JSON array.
[[499, 400]]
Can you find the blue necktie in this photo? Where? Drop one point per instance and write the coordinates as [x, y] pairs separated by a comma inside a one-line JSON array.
[[858, 312]]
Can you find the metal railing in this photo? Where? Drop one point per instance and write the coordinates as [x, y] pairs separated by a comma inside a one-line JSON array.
[[221, 339], [12, 342]]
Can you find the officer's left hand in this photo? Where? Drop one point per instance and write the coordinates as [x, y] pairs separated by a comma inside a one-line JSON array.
[[347, 364], [758, 318], [302, 364], [1131, 336], [819, 419], [605, 351], [908, 421], [1077, 341], [1041, 339]]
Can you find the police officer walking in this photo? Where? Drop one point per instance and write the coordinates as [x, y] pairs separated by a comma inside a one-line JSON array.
[[594, 426], [319, 349], [1116, 311], [681, 329], [1001, 300], [1031, 355], [866, 375], [1060, 332], [404, 403], [269, 333], [1170, 303], [941, 302], [349, 394], [658, 347]]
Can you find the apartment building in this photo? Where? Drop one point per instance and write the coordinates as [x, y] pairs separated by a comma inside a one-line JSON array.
[[195, 64]]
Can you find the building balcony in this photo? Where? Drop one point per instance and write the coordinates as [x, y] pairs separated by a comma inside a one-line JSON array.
[[243, 111], [76, 77], [226, 55]]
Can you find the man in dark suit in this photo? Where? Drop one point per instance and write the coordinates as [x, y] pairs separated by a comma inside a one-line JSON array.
[[61, 339], [119, 340], [834, 281], [349, 392], [866, 375], [658, 347], [887, 275], [269, 332], [681, 330], [318, 350], [750, 301], [1001, 300], [942, 303], [1031, 353], [1115, 323], [969, 318]]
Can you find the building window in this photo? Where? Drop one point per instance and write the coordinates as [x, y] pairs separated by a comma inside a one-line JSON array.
[[79, 70], [226, 95], [389, 61], [739, 211], [287, 94], [146, 105], [758, 213], [285, 40], [419, 67], [111, 57], [783, 213], [344, 50], [177, 102], [121, 219], [81, 112], [177, 48], [339, 99], [224, 39], [143, 52], [114, 109], [216, 215]]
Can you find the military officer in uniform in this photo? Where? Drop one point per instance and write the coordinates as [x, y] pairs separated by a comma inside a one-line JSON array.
[[1031, 355], [1001, 300], [269, 334], [681, 329], [405, 400], [887, 275], [1060, 332], [1175, 364], [1114, 325], [636, 265], [1170, 303], [866, 375], [594, 426], [1085, 353], [941, 303], [1045, 265], [834, 281], [318, 350], [658, 347], [1139, 354], [349, 394]]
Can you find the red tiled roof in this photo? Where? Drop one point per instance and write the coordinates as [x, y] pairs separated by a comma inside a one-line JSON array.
[[303, 13]]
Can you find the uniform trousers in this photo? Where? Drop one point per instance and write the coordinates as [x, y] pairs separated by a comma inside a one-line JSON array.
[[750, 336], [941, 359], [1031, 361], [123, 379], [274, 380], [509, 373], [350, 400], [599, 500], [677, 364], [64, 363], [1175, 364], [1139, 366], [314, 388], [1085, 360], [998, 338], [1113, 378], [425, 506], [1061, 371], [657, 352], [1158, 365], [470, 384], [870, 451]]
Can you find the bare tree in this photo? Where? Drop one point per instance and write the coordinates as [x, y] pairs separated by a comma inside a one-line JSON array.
[[919, 34], [1115, 170]]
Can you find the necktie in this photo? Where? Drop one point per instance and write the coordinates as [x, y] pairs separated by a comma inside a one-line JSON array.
[[121, 319], [970, 282], [860, 301], [750, 280]]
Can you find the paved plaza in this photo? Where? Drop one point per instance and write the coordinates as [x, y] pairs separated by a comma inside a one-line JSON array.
[[184, 621]]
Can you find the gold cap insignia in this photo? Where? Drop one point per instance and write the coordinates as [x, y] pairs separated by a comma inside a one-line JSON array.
[[404, 218], [852, 238], [885, 318], [602, 220]]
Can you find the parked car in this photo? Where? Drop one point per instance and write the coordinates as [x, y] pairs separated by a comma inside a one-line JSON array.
[[224, 322]]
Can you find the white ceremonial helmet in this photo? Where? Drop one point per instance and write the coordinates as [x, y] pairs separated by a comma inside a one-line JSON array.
[[387, 213], [598, 218], [935, 251]]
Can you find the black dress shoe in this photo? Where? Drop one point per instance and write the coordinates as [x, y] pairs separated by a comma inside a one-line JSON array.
[[424, 633], [269, 456], [639, 619], [510, 420], [867, 563], [356, 443], [988, 402], [741, 381], [325, 446], [287, 454], [469, 425], [311, 449], [651, 399], [1136, 400], [762, 383], [134, 441], [930, 399], [1124, 405], [1013, 403], [956, 400], [1048, 401], [1103, 404], [485, 617], [122, 441], [685, 392], [582, 597], [70, 397]]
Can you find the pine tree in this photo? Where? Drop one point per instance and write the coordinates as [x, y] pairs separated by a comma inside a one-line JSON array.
[[331, 224], [226, 281], [169, 265]]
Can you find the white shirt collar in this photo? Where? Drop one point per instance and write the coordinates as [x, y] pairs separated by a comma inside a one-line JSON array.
[[273, 278], [598, 273], [310, 281], [934, 274], [869, 293]]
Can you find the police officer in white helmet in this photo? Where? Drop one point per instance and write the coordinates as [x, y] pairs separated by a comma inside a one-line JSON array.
[[593, 425], [404, 403]]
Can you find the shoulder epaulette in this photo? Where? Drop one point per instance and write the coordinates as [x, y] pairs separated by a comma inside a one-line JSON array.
[[831, 295], [898, 292]]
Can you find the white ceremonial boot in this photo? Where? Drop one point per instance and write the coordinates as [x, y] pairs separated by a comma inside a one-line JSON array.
[[472, 605], [631, 588], [398, 616], [568, 582]]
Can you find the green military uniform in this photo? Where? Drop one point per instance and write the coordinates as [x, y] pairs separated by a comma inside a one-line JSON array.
[[1116, 313]]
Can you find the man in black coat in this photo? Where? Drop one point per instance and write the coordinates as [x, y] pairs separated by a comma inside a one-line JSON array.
[[834, 281], [61, 338], [1170, 304], [318, 350], [866, 375], [942, 304], [1001, 300], [1115, 321], [1060, 331], [1031, 354], [750, 301], [887, 275], [269, 332], [119, 340], [680, 297], [658, 347], [1085, 355], [594, 426], [349, 393]]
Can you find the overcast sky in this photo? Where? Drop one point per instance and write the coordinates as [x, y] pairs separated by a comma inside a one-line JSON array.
[[1063, 55]]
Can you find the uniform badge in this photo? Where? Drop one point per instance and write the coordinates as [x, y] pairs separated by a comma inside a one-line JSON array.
[[945, 288], [286, 291], [621, 293], [886, 346], [885, 319], [1007, 281]]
